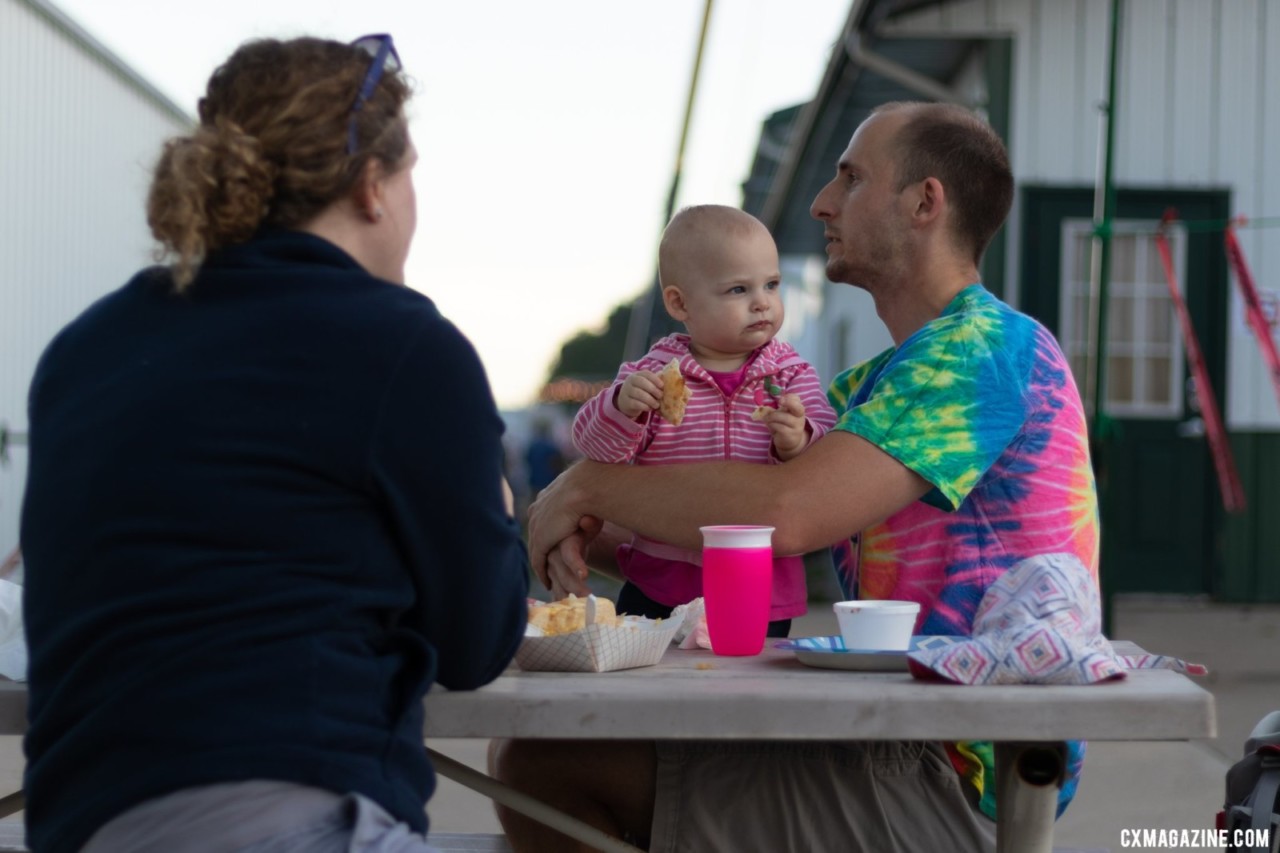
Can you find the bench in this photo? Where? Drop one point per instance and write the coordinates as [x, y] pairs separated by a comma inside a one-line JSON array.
[[468, 842], [13, 840]]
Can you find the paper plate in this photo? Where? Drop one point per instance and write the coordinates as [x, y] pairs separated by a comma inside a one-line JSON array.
[[830, 653]]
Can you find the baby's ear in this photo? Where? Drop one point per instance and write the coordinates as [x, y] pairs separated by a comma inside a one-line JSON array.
[[673, 299]]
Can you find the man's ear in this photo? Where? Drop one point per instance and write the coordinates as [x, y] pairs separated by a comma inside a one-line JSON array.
[[367, 193], [930, 200], [673, 299]]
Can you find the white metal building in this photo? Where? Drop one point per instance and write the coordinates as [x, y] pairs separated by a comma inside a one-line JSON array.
[[1197, 107], [1197, 129], [79, 135]]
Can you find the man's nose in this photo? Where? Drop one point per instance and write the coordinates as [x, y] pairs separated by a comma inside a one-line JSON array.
[[820, 209]]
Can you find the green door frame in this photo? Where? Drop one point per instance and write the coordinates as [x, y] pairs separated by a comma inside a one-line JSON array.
[[1129, 456]]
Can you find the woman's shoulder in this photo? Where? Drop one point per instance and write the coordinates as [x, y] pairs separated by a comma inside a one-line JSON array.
[[111, 313]]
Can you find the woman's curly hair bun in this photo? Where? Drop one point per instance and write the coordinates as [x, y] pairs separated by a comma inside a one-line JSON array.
[[211, 189]]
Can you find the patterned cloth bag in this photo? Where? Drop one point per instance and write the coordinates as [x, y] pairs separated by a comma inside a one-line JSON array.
[[1040, 623]]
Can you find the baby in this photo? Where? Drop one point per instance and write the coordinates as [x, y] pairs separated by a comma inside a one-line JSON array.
[[749, 397]]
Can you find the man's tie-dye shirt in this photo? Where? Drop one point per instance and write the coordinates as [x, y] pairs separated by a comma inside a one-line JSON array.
[[980, 403]]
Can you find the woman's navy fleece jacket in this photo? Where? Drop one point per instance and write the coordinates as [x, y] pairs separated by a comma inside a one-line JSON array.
[[261, 519]]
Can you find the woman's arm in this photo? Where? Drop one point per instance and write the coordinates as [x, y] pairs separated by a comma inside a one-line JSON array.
[[442, 484]]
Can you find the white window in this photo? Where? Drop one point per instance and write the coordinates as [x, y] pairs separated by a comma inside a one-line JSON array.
[[1144, 346]]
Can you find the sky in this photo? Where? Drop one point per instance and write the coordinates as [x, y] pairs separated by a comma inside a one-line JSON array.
[[547, 134]]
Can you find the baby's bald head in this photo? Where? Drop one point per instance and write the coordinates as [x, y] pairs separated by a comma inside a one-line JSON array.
[[719, 273], [693, 237]]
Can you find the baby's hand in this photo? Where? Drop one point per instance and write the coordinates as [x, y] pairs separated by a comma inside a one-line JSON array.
[[640, 392], [787, 426]]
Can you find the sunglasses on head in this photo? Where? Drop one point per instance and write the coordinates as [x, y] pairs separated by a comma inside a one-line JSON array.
[[384, 56]]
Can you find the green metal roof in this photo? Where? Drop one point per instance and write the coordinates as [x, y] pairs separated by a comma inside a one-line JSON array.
[[781, 191]]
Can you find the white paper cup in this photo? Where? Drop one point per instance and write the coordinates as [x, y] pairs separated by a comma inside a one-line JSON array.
[[877, 625]]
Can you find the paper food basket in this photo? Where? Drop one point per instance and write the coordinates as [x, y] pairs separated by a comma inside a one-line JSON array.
[[601, 648]]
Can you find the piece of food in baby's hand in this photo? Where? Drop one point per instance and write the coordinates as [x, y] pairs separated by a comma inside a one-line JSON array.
[[760, 413], [570, 614], [675, 393]]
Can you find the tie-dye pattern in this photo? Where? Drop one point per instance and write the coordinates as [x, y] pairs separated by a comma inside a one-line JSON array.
[[981, 404]]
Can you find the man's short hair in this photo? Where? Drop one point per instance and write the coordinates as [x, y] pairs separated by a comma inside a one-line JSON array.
[[950, 143]]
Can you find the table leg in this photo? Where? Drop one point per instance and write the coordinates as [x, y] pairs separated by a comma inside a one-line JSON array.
[[1028, 776], [527, 805], [13, 803]]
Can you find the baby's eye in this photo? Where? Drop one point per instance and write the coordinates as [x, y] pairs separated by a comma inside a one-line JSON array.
[[773, 285], [737, 288]]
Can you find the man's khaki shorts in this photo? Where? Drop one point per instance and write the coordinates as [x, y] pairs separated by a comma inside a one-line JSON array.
[[850, 797]]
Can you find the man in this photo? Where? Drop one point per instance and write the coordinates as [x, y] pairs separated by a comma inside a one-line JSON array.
[[958, 452]]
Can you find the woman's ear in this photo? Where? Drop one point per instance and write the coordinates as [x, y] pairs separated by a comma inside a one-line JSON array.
[[368, 190], [673, 299]]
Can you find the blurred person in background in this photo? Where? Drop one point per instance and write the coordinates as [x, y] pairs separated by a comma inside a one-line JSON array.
[[543, 458]]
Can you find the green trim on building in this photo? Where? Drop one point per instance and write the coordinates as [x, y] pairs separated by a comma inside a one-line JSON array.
[[1250, 564]]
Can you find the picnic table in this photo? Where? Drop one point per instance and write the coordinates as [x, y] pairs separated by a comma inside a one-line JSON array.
[[697, 695]]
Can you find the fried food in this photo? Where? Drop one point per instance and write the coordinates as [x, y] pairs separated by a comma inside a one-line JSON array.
[[675, 393], [570, 614]]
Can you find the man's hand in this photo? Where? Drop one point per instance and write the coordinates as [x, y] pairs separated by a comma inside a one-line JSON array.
[[640, 392], [553, 520], [788, 427], [567, 563]]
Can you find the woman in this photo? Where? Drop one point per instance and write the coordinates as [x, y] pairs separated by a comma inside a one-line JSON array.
[[265, 507]]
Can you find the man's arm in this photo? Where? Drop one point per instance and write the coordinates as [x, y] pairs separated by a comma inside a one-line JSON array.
[[602, 553], [839, 486]]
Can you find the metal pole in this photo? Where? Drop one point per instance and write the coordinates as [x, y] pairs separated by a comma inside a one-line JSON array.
[[12, 803], [1101, 276], [1090, 390], [1100, 267], [1028, 777], [522, 803], [646, 307]]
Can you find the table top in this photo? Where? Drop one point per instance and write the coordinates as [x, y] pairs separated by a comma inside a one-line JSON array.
[[694, 694]]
